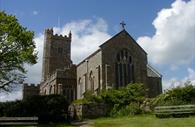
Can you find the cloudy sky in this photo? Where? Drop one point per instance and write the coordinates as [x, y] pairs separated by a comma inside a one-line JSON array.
[[165, 29]]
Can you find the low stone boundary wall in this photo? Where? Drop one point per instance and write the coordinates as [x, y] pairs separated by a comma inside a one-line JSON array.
[[91, 110]]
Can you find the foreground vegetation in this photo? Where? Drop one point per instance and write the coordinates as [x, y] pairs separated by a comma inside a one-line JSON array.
[[135, 121], [125, 105], [131, 100], [144, 121], [55, 125], [17, 48], [49, 125], [124, 101], [51, 108]]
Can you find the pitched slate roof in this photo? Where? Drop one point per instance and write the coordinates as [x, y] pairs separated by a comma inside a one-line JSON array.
[[151, 72]]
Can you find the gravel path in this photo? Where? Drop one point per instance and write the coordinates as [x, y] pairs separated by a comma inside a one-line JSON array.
[[82, 123]]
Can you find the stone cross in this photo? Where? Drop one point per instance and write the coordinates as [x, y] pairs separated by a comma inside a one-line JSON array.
[[123, 25]]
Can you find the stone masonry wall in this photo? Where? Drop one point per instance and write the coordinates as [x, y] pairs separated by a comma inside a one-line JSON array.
[[91, 110], [30, 90], [56, 53], [89, 69], [155, 86], [109, 53]]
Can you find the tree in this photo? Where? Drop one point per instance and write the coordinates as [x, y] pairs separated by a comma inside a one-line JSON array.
[[16, 48]]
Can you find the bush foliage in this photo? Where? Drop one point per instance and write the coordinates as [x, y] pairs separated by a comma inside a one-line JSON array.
[[177, 96], [125, 95], [126, 110], [126, 101], [122, 102], [131, 100], [49, 108]]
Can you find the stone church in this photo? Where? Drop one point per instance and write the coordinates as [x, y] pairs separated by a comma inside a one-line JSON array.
[[118, 62]]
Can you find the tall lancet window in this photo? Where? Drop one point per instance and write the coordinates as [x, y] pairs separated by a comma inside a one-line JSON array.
[[91, 80], [80, 87], [124, 68]]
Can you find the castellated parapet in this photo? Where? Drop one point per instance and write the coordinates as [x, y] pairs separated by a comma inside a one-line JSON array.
[[50, 33], [56, 53], [30, 90]]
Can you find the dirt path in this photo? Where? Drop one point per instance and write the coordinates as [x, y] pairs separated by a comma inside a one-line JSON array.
[[82, 123]]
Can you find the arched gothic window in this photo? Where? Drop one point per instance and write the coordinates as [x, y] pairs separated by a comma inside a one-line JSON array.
[[124, 68], [91, 80], [50, 90], [45, 92], [80, 87]]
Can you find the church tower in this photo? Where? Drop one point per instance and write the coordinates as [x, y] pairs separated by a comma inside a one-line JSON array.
[[56, 53]]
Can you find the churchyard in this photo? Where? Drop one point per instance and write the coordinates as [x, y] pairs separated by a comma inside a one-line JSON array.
[[144, 121], [126, 107], [115, 86], [136, 121]]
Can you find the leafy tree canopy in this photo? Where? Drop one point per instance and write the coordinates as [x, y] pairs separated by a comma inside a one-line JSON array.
[[16, 49]]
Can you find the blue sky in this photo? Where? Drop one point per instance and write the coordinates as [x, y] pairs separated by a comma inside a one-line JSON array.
[[137, 14], [165, 29]]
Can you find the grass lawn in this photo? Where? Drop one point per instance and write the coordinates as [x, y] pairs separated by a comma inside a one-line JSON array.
[[136, 121], [49, 125], [55, 125], [144, 121]]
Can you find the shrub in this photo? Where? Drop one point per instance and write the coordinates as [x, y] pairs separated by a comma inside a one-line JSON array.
[[89, 96], [47, 108], [80, 101], [124, 101], [51, 108], [11, 108], [128, 110], [124, 96], [177, 96]]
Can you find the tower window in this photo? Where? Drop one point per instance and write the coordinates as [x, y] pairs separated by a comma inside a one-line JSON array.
[[60, 50]]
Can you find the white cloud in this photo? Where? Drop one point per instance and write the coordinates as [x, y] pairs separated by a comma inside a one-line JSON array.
[[35, 12], [14, 95], [191, 76], [34, 72], [174, 39], [173, 82]]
